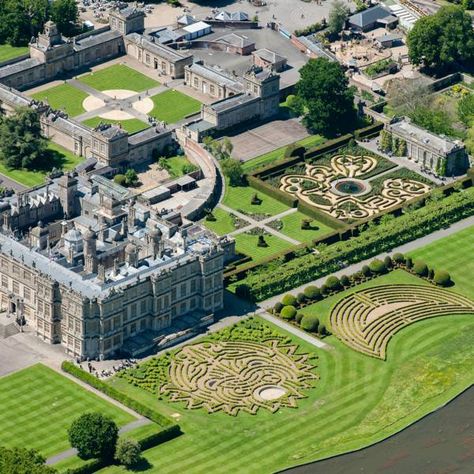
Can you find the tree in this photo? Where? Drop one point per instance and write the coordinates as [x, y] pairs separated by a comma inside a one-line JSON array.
[[21, 144], [312, 292], [288, 300], [386, 141], [377, 266], [66, 15], [94, 436], [131, 177], [23, 461], [329, 101], [295, 104], [420, 268], [442, 278], [442, 39], [337, 17], [128, 452], [233, 170], [466, 109], [288, 312], [309, 323]]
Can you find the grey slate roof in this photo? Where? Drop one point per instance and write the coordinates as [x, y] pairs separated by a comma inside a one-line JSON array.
[[232, 16], [369, 16], [12, 97], [232, 102], [94, 40], [235, 40], [160, 50], [20, 66], [145, 135], [214, 75], [269, 55]]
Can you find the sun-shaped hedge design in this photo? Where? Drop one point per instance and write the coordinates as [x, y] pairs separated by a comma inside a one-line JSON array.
[[233, 376]]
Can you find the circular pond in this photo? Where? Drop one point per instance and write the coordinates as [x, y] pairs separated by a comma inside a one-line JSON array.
[[350, 186]]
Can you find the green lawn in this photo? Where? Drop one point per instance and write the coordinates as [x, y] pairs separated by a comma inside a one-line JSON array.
[[454, 254], [223, 223], [131, 126], [240, 197], [292, 227], [9, 52], [176, 164], [57, 157], [359, 400], [39, 405], [172, 106], [63, 97], [118, 76], [247, 244], [279, 153]]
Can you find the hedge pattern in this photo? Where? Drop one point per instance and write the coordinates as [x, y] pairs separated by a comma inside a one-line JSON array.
[[276, 278]]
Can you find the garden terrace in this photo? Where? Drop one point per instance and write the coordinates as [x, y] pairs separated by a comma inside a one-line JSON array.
[[367, 319]]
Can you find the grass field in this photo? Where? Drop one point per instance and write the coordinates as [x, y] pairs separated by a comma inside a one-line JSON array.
[[57, 157], [176, 164], [223, 223], [292, 227], [39, 405], [131, 126], [279, 153], [8, 52], [240, 197], [118, 76], [172, 106], [247, 244], [63, 97], [358, 401]]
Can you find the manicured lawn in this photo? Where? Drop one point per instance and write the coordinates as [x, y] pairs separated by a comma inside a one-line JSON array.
[[359, 400], [172, 106], [176, 165], [39, 405], [455, 254], [9, 52], [223, 223], [247, 244], [279, 153], [63, 97], [118, 76], [58, 157], [292, 227], [131, 126], [240, 197]]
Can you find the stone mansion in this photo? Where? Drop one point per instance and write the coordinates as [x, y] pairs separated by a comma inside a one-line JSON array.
[[90, 268]]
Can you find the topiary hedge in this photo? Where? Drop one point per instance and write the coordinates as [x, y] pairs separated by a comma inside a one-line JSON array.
[[309, 323], [442, 278], [288, 300], [312, 292], [333, 283], [288, 312], [420, 268], [377, 267]]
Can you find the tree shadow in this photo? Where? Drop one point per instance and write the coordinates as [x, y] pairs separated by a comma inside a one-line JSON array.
[[141, 466], [49, 160]]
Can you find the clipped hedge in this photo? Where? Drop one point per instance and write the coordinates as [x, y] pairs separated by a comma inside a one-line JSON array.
[[89, 467], [321, 216], [272, 279], [112, 392], [442, 278], [309, 323], [288, 312]]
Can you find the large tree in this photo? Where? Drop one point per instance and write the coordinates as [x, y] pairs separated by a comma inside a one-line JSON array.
[[65, 14], [94, 436], [21, 143], [442, 39], [337, 16], [23, 461], [328, 100]]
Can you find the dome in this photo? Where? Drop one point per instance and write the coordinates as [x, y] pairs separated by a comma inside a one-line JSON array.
[[155, 233], [73, 235]]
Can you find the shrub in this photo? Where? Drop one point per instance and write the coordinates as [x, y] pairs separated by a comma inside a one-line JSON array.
[[94, 436], [377, 266], [120, 179], [399, 258], [127, 452], [299, 317], [420, 268], [333, 283], [312, 292], [256, 201], [345, 280], [278, 307], [388, 261], [409, 262], [442, 278], [322, 329], [324, 289], [430, 273], [288, 300], [305, 224], [309, 323], [301, 298], [261, 241], [365, 270], [288, 312]]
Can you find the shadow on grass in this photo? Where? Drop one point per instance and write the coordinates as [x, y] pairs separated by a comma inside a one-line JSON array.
[[141, 466]]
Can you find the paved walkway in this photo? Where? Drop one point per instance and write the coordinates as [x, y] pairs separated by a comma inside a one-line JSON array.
[[414, 244], [73, 451], [254, 223]]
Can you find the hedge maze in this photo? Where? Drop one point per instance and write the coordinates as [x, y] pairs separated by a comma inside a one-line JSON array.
[[367, 319], [319, 187], [235, 376]]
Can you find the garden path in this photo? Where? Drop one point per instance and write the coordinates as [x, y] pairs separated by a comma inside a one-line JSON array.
[[73, 451], [421, 242], [253, 223]]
